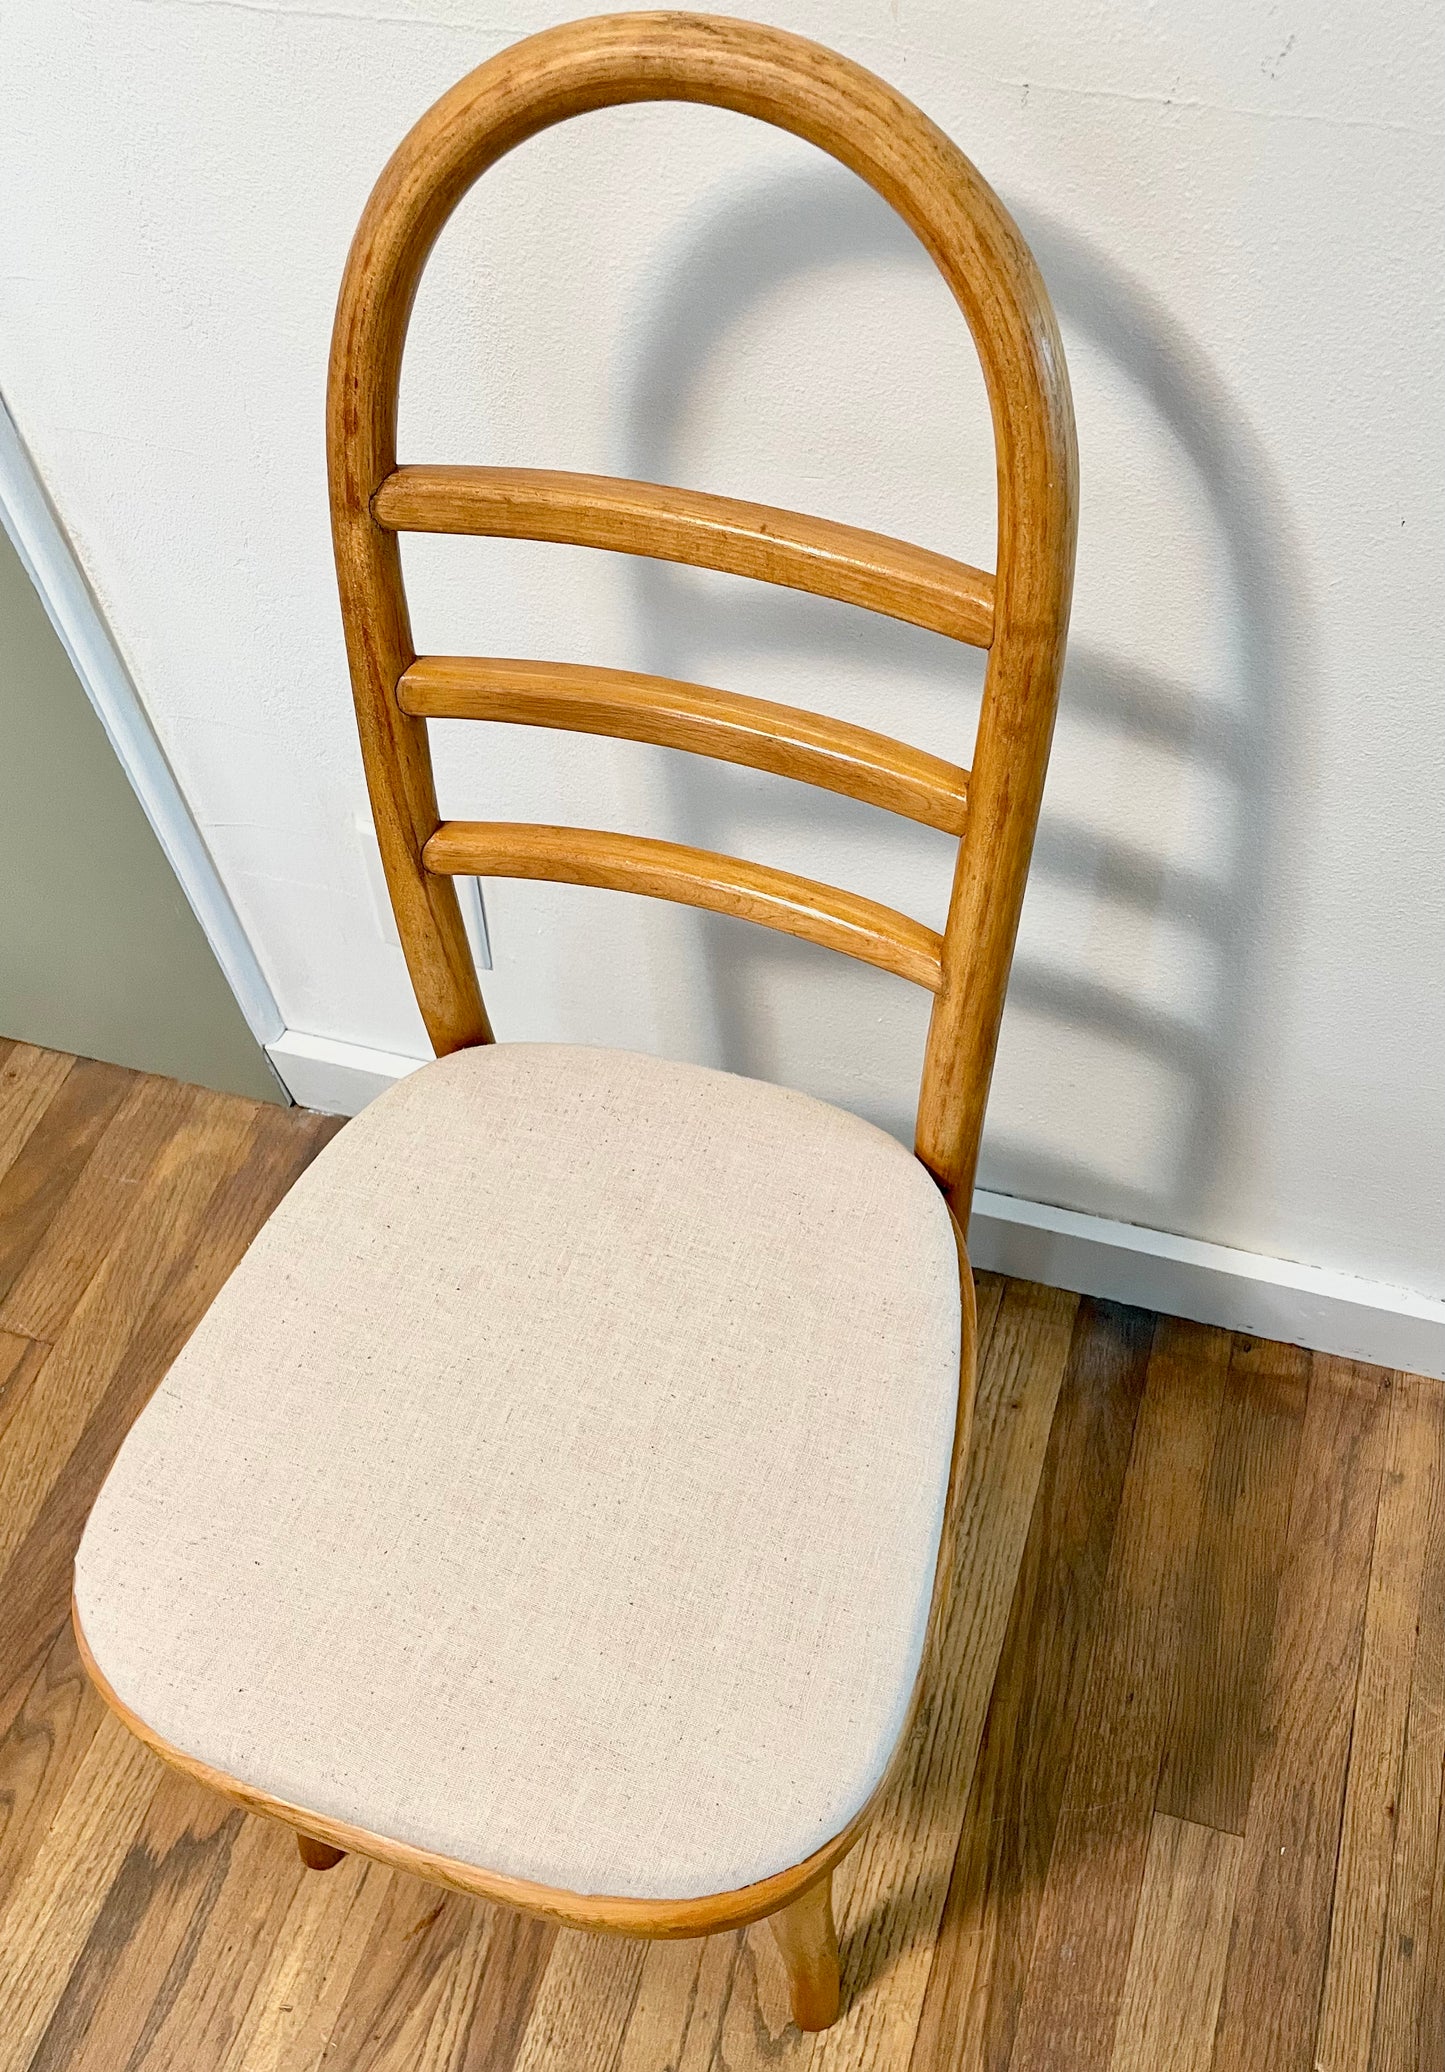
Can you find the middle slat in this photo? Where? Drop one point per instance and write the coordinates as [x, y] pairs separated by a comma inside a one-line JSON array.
[[620, 703]]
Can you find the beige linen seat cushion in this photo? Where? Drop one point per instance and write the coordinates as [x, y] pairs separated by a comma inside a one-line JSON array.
[[557, 1483]]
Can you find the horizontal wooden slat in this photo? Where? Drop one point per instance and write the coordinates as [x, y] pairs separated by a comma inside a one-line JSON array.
[[668, 870], [733, 728], [744, 539]]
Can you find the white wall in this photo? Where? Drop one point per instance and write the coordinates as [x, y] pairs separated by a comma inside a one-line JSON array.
[[1227, 1011]]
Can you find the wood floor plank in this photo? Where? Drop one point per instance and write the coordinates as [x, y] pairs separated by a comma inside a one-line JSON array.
[[308, 1955], [440, 1984], [40, 1754], [1408, 1497], [1275, 1974], [405, 1988], [580, 2011], [1080, 1958], [1412, 1970], [241, 1942], [516, 1961], [169, 1211], [53, 1906], [743, 1994], [142, 1943], [30, 1078], [986, 1934], [1181, 1941], [1431, 2016], [1229, 1616], [20, 1361], [52, 1158], [683, 1997], [209, 1201], [88, 1222]]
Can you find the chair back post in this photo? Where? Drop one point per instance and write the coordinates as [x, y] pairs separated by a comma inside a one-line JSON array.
[[858, 119]]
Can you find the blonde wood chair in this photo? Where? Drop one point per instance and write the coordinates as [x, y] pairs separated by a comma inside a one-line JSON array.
[[552, 1503]]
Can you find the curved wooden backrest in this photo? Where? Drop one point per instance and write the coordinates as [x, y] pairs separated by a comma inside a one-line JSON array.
[[1019, 614]]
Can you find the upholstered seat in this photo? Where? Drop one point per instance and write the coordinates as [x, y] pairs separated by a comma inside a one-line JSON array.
[[557, 1483]]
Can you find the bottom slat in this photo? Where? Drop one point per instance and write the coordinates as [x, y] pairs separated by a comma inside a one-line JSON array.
[[696, 877]]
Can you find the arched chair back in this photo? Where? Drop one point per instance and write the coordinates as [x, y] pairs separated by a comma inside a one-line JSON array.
[[1018, 614]]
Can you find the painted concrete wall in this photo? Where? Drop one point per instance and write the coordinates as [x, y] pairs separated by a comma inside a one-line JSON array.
[[1226, 1013], [99, 952]]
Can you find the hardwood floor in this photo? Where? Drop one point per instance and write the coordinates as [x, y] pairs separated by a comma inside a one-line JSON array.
[[1176, 1805]]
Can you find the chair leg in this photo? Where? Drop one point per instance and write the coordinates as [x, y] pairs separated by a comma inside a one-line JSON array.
[[809, 1944], [317, 1856]]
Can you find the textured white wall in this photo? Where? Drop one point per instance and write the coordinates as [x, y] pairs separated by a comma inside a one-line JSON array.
[[1227, 1010]]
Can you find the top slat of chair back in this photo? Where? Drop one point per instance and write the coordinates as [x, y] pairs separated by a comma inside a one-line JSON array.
[[1019, 614]]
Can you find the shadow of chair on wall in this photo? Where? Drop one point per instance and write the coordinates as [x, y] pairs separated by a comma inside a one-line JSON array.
[[808, 224]]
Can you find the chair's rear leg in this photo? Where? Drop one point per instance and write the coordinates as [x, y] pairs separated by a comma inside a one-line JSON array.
[[317, 1856], [808, 1941]]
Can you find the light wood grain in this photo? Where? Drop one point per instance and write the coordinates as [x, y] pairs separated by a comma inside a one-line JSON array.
[[1429, 2027], [142, 1942], [1409, 1498], [1079, 1961], [721, 532], [20, 1362], [54, 1154], [416, 2000], [582, 2004], [90, 1347], [40, 1753], [82, 1229], [239, 1948], [1280, 1945], [1410, 1999], [1181, 1941], [986, 1935], [29, 1081], [696, 877], [1230, 1601], [53, 1907], [683, 1995], [308, 1956], [722, 724]]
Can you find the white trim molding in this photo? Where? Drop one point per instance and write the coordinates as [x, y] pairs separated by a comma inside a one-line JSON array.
[[1314, 1306], [338, 1078], [51, 564]]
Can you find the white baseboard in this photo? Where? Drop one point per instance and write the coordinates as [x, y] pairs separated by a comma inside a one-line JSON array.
[[338, 1078], [1122, 1262], [1184, 1277]]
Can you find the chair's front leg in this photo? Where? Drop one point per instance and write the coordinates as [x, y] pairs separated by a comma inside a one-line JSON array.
[[808, 1941]]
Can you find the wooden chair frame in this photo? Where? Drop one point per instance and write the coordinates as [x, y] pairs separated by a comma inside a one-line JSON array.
[[1019, 614]]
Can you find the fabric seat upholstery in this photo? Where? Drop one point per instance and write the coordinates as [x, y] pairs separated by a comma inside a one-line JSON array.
[[556, 1485]]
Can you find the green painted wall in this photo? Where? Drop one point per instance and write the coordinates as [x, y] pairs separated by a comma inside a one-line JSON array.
[[99, 950]]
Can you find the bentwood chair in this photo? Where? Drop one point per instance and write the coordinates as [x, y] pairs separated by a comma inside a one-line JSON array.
[[551, 1503]]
